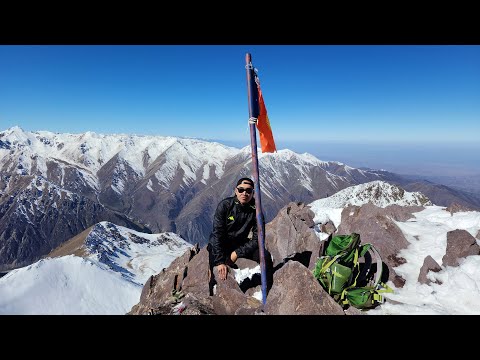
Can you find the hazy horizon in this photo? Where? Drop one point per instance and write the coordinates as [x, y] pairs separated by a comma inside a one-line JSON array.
[[402, 158]]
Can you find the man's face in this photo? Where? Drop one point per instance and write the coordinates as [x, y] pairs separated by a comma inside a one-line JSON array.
[[244, 192]]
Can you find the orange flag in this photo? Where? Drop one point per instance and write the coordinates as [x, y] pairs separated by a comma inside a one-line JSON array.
[[263, 125]]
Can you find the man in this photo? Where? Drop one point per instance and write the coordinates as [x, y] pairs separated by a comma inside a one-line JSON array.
[[234, 220]]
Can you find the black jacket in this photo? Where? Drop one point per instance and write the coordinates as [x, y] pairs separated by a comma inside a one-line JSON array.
[[232, 224]]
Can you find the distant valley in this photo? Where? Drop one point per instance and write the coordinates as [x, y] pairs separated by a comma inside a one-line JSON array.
[[467, 183]]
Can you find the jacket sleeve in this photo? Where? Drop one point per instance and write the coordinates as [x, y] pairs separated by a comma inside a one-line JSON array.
[[217, 238], [250, 246]]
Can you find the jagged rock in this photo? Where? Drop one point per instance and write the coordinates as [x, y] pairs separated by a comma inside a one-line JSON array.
[[252, 290], [229, 299], [193, 306], [196, 277], [243, 263], [328, 228], [158, 289], [478, 235], [291, 233], [188, 305], [429, 264], [183, 288], [460, 244], [376, 225], [351, 310], [398, 281], [303, 213], [180, 289], [253, 306], [295, 291], [455, 207]]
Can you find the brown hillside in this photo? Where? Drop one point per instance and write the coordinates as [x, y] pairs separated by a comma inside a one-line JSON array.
[[74, 246]]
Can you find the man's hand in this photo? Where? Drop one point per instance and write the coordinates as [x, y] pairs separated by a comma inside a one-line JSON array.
[[222, 271], [223, 268]]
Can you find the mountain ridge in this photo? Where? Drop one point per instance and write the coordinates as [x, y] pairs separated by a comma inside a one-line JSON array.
[[152, 183]]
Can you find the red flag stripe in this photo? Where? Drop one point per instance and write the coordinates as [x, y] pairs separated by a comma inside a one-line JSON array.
[[263, 125]]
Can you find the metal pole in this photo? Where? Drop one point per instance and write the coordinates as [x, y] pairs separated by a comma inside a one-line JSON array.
[[253, 112]]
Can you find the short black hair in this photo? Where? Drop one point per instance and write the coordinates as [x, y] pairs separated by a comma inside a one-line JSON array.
[[248, 180]]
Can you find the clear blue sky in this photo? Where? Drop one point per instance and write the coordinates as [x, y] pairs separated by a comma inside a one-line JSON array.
[[313, 93]]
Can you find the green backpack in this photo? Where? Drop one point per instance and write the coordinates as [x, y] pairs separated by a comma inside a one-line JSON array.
[[345, 278]]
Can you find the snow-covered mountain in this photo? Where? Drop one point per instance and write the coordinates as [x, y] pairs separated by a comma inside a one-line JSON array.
[[53, 186], [102, 272], [378, 193]]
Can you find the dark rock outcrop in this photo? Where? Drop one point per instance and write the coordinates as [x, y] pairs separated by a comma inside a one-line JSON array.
[[454, 208], [429, 264], [328, 228], [460, 244], [159, 290], [291, 233], [295, 291]]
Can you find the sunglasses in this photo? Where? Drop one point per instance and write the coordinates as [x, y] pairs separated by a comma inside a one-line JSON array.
[[248, 190]]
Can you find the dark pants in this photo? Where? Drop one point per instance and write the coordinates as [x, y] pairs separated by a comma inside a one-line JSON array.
[[256, 280]]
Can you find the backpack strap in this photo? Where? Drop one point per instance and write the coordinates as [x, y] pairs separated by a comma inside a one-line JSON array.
[[356, 265], [377, 288], [367, 263], [378, 259], [326, 267], [380, 286], [366, 251]]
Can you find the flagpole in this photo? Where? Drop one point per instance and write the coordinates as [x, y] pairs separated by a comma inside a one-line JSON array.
[[254, 112]]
